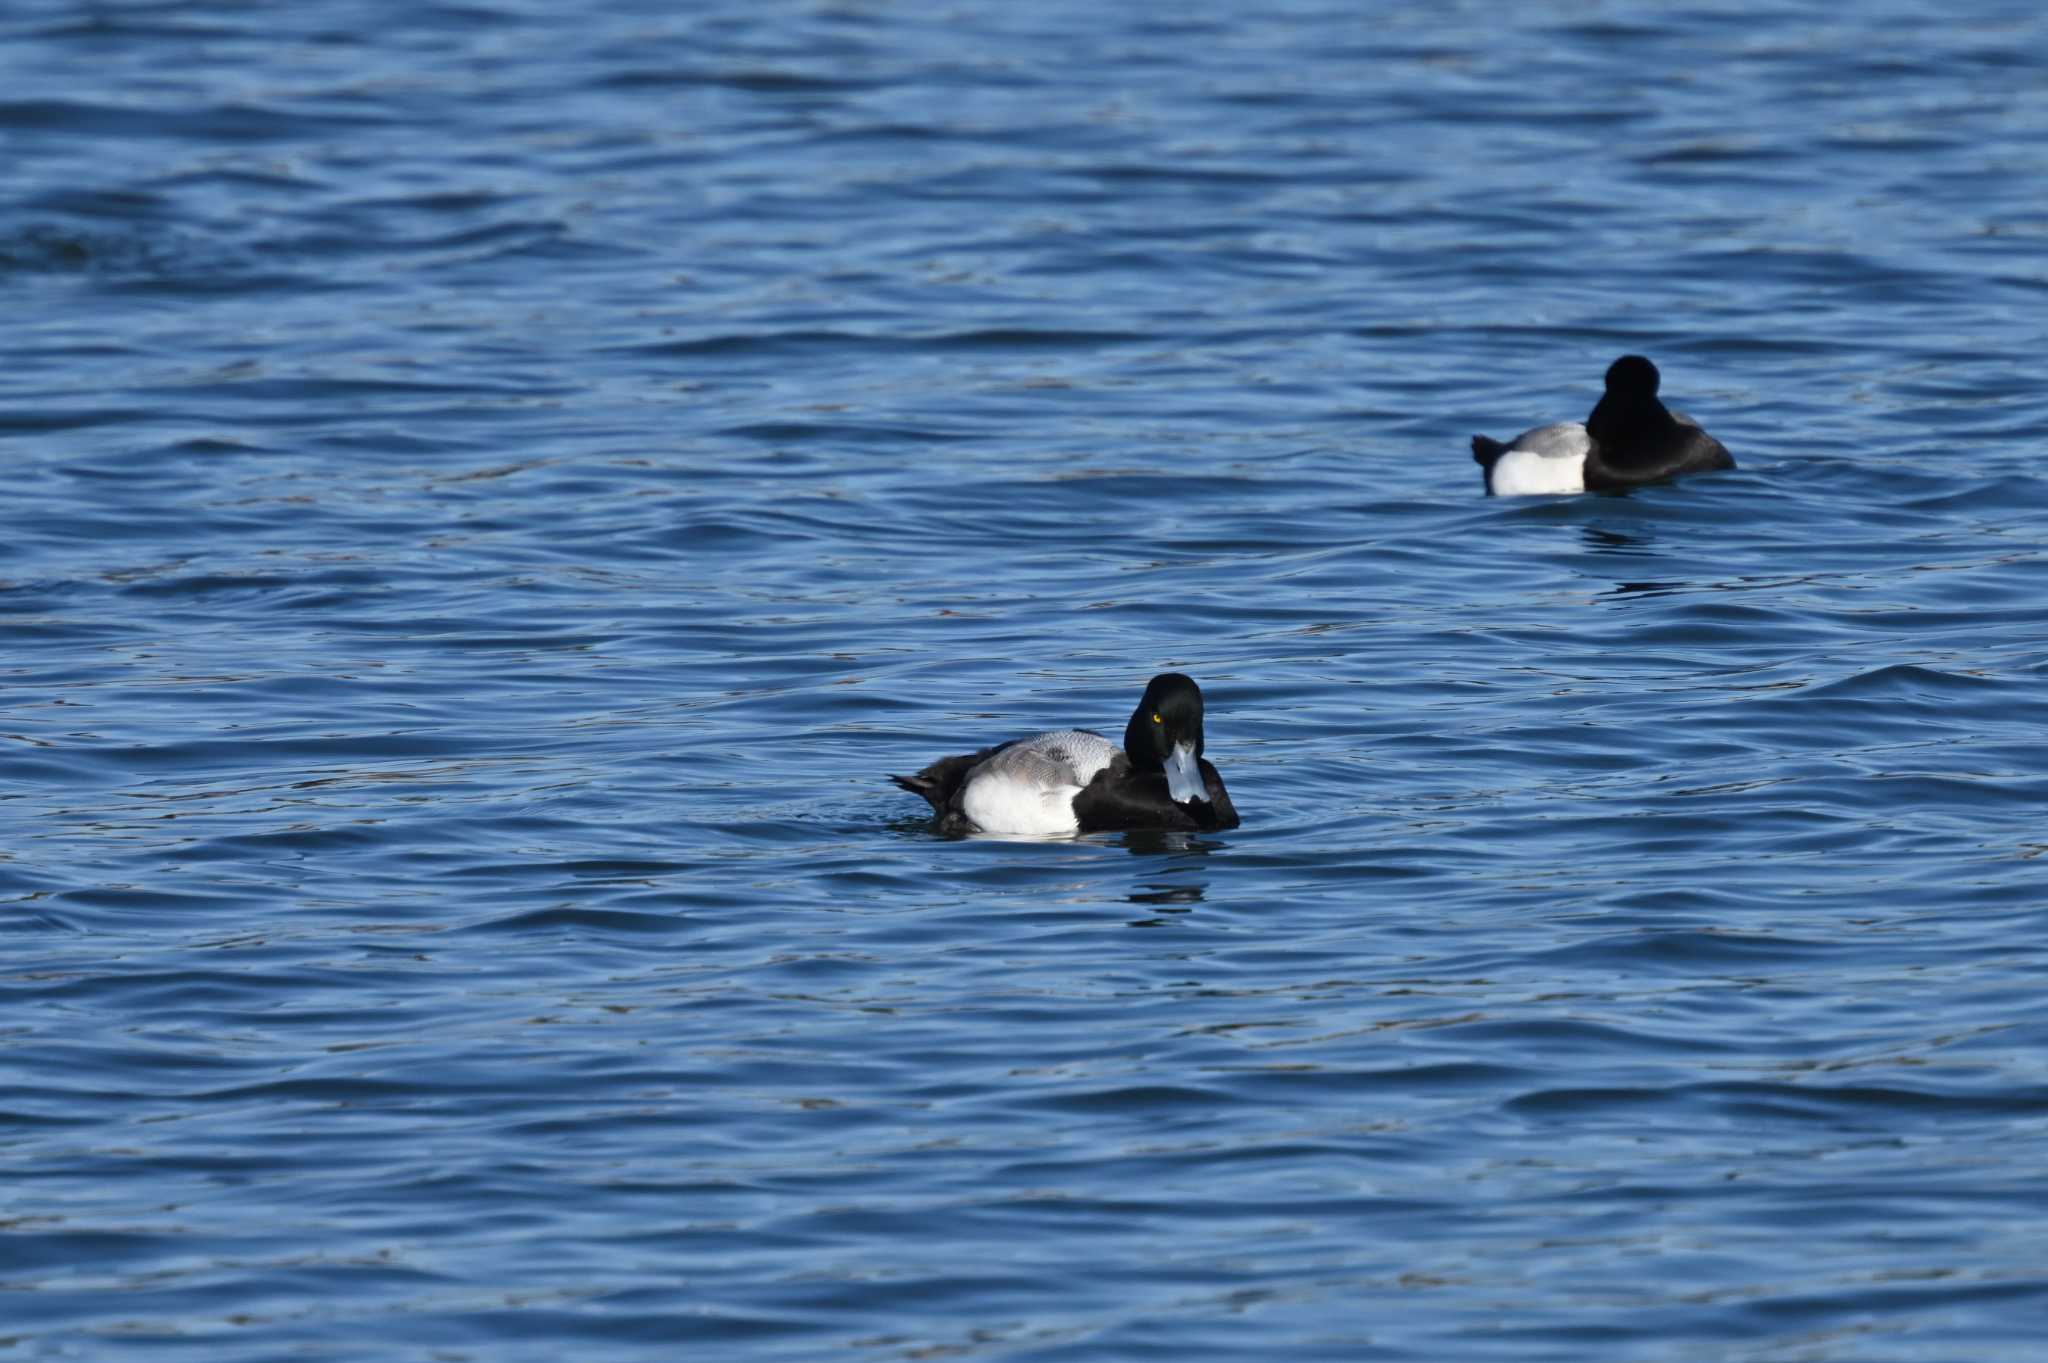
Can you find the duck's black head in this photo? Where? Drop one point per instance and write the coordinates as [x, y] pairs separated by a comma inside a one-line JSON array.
[[1629, 413], [1165, 734], [1633, 376]]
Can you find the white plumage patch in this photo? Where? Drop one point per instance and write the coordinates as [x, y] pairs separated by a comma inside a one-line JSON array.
[[1029, 787], [1547, 459]]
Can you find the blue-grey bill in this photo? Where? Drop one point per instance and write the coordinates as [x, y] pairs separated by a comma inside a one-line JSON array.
[[1183, 777]]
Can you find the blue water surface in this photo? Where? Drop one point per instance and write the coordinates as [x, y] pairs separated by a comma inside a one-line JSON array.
[[494, 488]]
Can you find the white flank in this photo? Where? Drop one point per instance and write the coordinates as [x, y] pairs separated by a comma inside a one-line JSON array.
[[1548, 459], [1029, 787], [1003, 804]]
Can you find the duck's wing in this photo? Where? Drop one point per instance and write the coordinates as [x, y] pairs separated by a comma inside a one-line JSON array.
[[1064, 757]]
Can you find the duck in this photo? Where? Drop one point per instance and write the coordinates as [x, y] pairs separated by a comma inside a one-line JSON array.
[[1631, 438], [1070, 781]]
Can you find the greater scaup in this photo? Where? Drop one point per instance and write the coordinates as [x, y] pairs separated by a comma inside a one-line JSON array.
[[1630, 439], [1077, 781]]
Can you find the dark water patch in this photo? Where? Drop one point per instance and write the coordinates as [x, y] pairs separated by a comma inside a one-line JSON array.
[[298, 840], [304, 389], [234, 280], [1712, 152], [761, 80], [1904, 682], [1555, 1037], [208, 583], [230, 123], [794, 432], [228, 754], [1685, 949], [30, 422], [578, 922], [238, 176], [800, 343], [336, 1093], [1776, 1103], [42, 249]]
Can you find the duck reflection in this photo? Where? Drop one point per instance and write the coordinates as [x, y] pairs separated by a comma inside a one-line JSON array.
[[1147, 842], [1168, 894], [1603, 541], [1180, 884]]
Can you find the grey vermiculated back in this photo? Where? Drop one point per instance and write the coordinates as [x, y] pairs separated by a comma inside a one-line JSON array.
[[1061, 757]]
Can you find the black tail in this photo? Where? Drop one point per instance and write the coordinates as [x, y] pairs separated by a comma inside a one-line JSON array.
[[925, 786], [1486, 451], [940, 782]]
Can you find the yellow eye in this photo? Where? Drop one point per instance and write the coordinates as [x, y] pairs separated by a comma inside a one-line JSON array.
[[1157, 720]]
